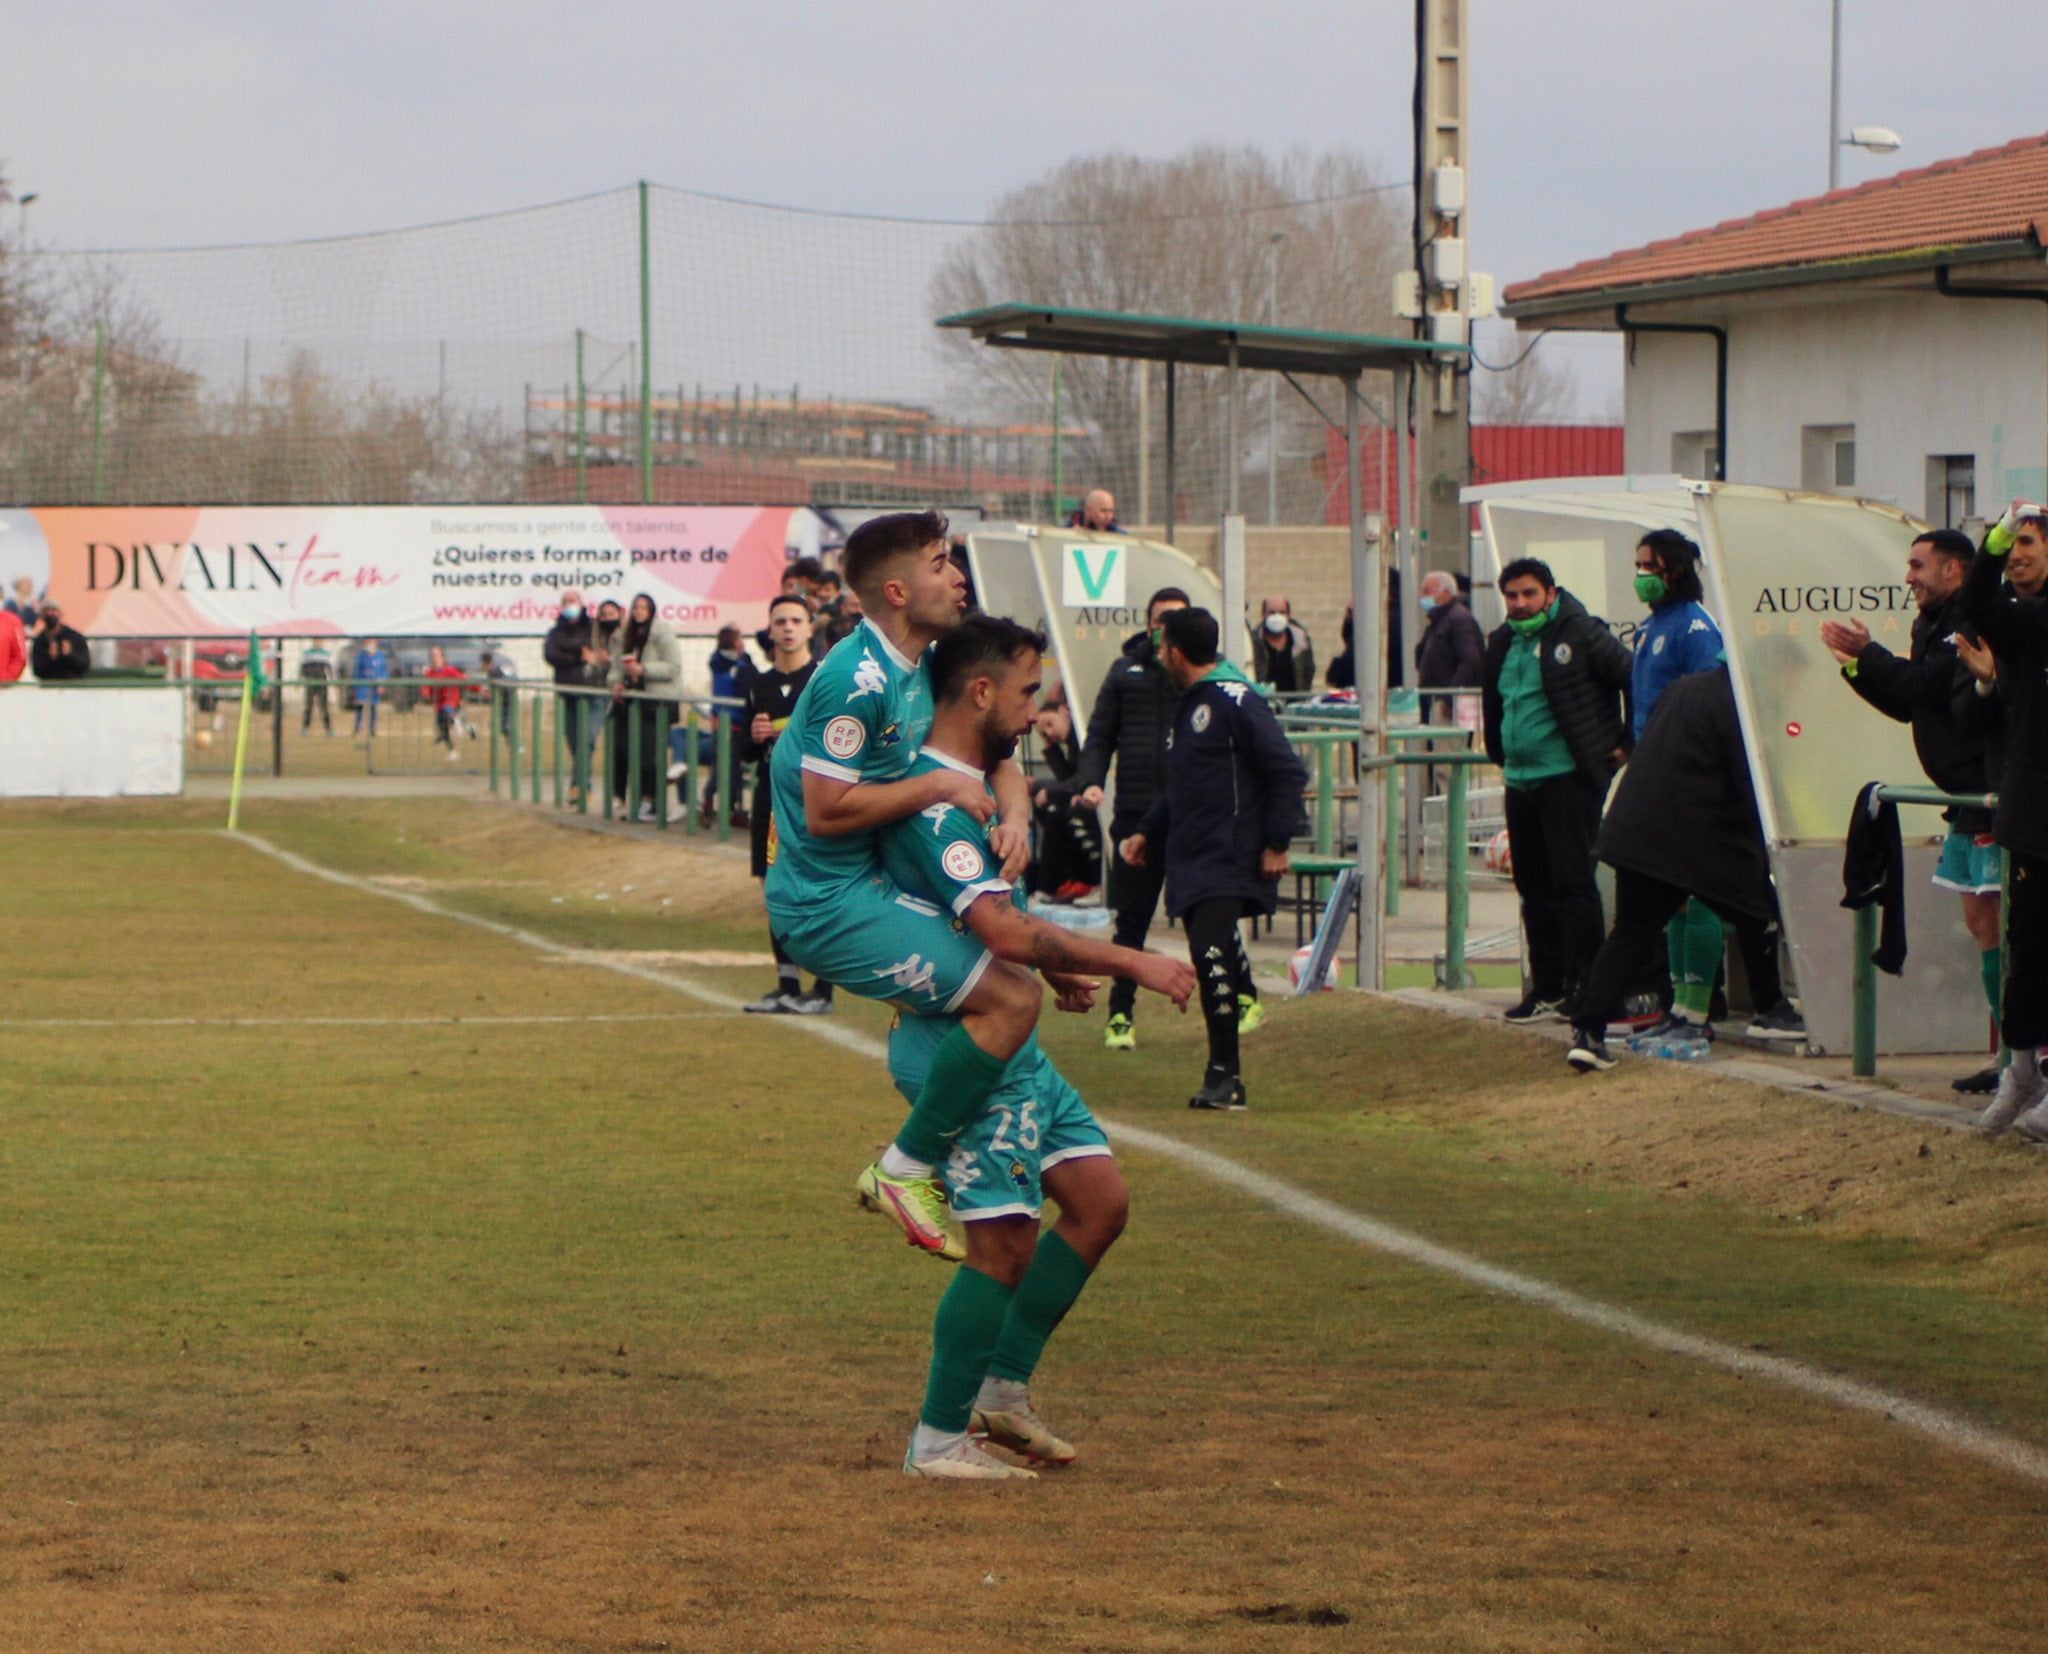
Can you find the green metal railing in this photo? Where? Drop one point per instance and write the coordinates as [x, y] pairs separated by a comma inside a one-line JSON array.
[[557, 746], [1863, 973], [1457, 874]]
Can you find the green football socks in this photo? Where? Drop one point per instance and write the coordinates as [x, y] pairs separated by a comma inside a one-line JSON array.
[[1047, 1292], [1696, 943], [970, 1320], [959, 1082]]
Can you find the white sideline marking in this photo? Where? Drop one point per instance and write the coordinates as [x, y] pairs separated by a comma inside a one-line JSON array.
[[343, 1022], [1951, 1430]]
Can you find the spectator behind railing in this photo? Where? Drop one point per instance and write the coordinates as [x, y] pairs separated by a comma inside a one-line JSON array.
[[648, 665], [447, 698], [13, 647], [568, 649], [1282, 654], [1068, 865], [59, 653], [366, 683]]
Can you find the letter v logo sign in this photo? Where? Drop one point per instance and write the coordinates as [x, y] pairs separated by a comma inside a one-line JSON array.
[[1092, 577]]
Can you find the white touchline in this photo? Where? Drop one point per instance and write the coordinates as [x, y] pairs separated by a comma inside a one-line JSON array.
[[1952, 1430]]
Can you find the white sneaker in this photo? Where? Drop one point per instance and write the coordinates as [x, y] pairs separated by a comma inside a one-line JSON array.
[[1018, 1427], [2033, 1125], [965, 1461], [2016, 1095]]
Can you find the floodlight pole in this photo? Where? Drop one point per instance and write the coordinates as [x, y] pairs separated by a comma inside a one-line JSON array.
[[646, 355], [1835, 98], [1171, 445]]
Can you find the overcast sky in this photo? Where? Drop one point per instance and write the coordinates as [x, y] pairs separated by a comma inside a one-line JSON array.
[[1597, 124]]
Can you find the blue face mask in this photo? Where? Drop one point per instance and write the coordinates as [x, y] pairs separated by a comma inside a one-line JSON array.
[[572, 611], [1429, 605]]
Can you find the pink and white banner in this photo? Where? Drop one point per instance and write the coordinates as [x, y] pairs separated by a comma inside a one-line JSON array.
[[406, 571]]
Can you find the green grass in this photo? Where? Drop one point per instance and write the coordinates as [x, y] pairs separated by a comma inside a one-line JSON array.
[[564, 1334]]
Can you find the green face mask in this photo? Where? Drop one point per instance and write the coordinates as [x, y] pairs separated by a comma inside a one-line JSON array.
[[1530, 626], [1650, 588]]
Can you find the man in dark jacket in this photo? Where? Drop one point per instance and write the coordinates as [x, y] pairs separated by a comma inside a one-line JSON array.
[[1452, 653], [1131, 719], [1950, 730], [1553, 700], [1684, 824], [1231, 807], [58, 653], [566, 649], [2005, 596]]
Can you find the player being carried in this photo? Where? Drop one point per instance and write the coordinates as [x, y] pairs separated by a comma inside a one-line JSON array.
[[1035, 1135], [839, 774]]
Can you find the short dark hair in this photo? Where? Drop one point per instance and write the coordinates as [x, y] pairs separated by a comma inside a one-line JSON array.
[[879, 541], [776, 602], [1681, 560], [1194, 633], [807, 569], [1522, 567], [978, 644], [1949, 542], [1165, 594]]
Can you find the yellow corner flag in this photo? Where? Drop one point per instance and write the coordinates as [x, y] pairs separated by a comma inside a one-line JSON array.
[[253, 684]]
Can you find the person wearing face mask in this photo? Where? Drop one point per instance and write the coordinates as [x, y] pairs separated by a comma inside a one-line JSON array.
[[648, 664], [1452, 650], [566, 650], [1678, 639], [1555, 678], [1281, 652], [1130, 721]]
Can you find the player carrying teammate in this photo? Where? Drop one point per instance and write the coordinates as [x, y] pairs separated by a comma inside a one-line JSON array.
[[839, 774], [1036, 1134]]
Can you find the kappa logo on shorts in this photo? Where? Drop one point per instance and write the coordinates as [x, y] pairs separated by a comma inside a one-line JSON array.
[[868, 678], [845, 736], [962, 861], [912, 976]]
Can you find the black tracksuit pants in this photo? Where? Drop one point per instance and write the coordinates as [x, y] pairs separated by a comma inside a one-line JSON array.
[[1222, 971], [2023, 1023], [1643, 907], [1134, 893], [1551, 828]]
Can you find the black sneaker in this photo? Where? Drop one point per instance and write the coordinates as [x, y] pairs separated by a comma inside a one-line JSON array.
[[1980, 1084], [1221, 1093], [1588, 1053], [808, 1005], [1780, 1022], [1536, 1007], [775, 1004], [1673, 1026]]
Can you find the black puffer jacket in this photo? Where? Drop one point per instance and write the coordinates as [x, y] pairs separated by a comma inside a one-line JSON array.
[[1685, 812], [1586, 675], [2016, 627], [1132, 716], [563, 649], [1234, 788], [1921, 690]]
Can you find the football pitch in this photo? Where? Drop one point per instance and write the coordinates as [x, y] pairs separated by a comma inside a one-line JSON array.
[[406, 1243]]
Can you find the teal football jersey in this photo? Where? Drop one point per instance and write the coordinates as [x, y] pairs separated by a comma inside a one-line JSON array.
[[943, 853], [861, 718]]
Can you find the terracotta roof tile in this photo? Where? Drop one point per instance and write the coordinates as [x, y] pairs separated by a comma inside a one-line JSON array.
[[1992, 195]]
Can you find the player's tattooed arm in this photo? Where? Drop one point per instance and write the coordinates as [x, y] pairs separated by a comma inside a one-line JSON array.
[[1022, 940]]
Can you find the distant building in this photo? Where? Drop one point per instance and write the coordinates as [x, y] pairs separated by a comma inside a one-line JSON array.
[[1888, 341], [1500, 453]]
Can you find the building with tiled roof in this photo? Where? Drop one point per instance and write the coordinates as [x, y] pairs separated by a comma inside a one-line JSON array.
[[1888, 340]]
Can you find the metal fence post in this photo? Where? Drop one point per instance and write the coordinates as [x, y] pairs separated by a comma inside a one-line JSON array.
[[659, 760], [632, 758], [497, 713], [690, 722], [555, 749], [1326, 797], [537, 743], [1393, 810], [722, 757], [611, 755], [512, 757], [1863, 995], [1457, 893]]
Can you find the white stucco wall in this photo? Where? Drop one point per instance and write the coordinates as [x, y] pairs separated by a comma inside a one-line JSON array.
[[1914, 375]]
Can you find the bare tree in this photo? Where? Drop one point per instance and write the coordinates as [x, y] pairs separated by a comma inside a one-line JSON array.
[[1527, 390], [1192, 236]]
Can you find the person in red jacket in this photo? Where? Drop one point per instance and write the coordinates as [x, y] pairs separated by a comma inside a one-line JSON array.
[[13, 647], [447, 699]]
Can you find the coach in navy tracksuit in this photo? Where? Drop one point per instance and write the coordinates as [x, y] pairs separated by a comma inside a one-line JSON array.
[[1231, 807]]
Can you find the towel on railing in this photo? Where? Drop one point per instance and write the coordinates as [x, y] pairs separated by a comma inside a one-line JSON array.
[[1874, 870]]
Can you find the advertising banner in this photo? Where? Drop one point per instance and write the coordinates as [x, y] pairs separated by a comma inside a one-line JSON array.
[[405, 571]]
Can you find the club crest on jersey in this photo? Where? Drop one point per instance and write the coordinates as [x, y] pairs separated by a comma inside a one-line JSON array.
[[845, 736], [961, 861], [1199, 719], [892, 734], [868, 678]]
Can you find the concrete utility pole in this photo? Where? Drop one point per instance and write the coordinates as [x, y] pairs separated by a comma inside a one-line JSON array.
[[1443, 235]]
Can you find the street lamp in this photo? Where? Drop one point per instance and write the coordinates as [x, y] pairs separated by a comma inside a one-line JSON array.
[[1879, 140]]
